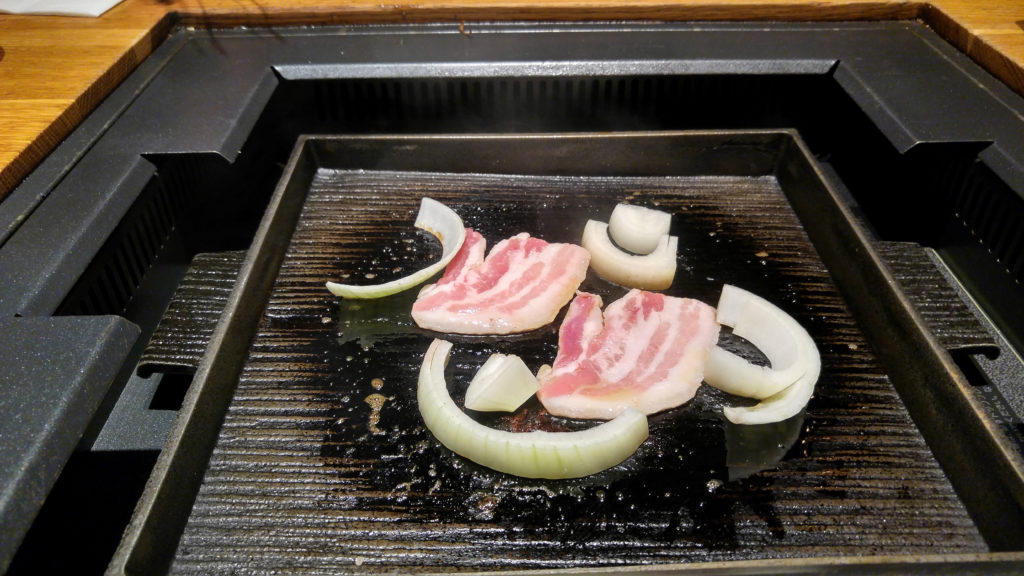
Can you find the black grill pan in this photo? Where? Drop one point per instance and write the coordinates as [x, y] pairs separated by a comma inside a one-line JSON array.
[[322, 464]]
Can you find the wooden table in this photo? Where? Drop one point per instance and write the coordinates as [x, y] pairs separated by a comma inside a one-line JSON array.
[[55, 70]]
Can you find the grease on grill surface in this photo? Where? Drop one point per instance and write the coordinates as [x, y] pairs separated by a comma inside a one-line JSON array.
[[310, 476]]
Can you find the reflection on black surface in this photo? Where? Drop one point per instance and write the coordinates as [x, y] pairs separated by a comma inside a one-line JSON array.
[[368, 322], [750, 448]]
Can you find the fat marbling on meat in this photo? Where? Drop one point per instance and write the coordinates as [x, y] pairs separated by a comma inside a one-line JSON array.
[[647, 352], [520, 286]]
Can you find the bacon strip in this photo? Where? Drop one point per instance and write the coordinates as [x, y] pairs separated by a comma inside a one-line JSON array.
[[520, 286], [649, 354]]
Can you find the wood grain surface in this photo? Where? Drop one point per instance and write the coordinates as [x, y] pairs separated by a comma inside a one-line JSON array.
[[55, 70]]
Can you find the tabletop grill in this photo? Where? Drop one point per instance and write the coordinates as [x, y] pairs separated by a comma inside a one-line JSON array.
[[139, 259]]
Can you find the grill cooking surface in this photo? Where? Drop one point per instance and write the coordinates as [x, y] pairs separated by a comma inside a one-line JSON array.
[[323, 464]]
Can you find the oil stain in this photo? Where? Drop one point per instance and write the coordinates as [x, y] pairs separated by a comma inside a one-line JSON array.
[[376, 402]]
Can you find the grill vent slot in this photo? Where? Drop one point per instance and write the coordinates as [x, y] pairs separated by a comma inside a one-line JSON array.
[[993, 212], [551, 104], [110, 282]]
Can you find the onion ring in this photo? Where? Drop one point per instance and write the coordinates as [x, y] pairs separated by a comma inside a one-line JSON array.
[[439, 220], [788, 384], [653, 271]]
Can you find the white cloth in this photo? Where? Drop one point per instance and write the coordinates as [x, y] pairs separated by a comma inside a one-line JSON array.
[[91, 8]]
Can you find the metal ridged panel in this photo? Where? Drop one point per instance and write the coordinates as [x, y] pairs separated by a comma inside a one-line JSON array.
[[943, 311], [991, 211], [110, 282], [323, 465], [179, 341]]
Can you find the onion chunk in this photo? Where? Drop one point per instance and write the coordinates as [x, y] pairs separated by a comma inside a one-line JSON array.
[[439, 220], [653, 271], [638, 229], [784, 388], [536, 454], [502, 384]]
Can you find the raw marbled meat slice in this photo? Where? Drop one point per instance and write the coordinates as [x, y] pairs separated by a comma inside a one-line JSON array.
[[520, 286], [648, 353]]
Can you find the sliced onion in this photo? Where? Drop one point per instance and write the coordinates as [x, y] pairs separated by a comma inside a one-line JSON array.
[[536, 454], [502, 384], [735, 375], [439, 220], [638, 229], [787, 385], [653, 271]]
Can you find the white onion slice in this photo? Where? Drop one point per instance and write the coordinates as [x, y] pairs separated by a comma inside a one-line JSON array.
[[439, 220], [735, 375], [638, 229], [502, 384], [784, 388], [536, 454], [653, 271]]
